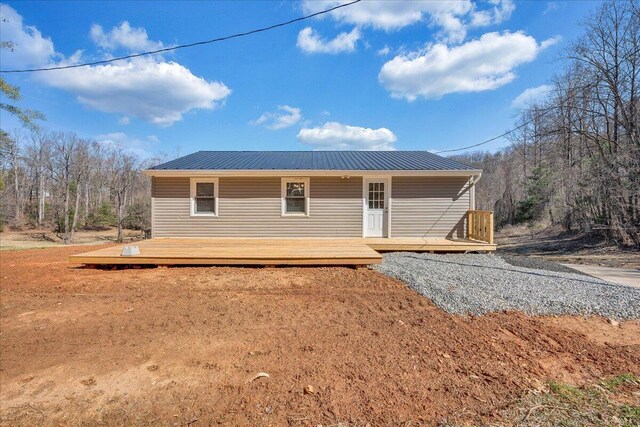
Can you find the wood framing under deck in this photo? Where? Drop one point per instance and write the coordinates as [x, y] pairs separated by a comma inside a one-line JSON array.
[[270, 252]]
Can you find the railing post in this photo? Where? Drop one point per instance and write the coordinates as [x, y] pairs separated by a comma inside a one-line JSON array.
[[491, 228]]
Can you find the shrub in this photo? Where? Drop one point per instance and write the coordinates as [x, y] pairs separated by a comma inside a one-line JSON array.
[[103, 219]]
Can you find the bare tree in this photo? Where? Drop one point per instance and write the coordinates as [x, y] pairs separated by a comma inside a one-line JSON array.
[[80, 174], [60, 180], [38, 153], [575, 157], [123, 170], [66, 169], [14, 158]]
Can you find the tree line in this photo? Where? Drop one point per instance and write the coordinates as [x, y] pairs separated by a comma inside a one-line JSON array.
[[574, 157], [63, 182]]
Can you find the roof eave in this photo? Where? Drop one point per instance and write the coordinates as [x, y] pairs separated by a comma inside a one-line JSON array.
[[306, 172]]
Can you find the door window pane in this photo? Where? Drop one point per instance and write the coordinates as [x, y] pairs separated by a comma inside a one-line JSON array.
[[376, 195]]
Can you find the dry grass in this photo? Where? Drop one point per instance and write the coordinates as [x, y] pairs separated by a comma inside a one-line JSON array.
[[612, 402], [554, 244], [11, 240]]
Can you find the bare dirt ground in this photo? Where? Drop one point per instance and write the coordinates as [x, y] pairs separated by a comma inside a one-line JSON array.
[[553, 244], [180, 346], [35, 238]]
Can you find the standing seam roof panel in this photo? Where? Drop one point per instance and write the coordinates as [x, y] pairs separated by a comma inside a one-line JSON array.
[[312, 160]]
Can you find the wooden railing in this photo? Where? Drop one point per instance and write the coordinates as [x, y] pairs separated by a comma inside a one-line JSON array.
[[480, 226]]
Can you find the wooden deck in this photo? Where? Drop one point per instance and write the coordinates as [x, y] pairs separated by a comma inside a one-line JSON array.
[[428, 244], [238, 251], [270, 252]]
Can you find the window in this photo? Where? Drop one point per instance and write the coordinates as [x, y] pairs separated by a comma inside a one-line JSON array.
[[295, 196], [204, 196], [376, 195]]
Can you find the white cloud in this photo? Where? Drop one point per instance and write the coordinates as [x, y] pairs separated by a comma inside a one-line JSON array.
[[133, 39], [30, 49], [383, 15], [478, 65], [124, 120], [112, 139], [150, 89], [284, 117], [531, 96], [550, 42], [311, 42], [336, 136], [453, 29], [452, 17], [132, 145], [155, 91], [121, 139], [386, 50], [499, 11]]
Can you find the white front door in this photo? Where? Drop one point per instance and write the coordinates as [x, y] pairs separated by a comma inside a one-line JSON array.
[[376, 209]]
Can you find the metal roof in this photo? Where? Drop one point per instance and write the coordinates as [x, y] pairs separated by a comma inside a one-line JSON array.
[[314, 160]]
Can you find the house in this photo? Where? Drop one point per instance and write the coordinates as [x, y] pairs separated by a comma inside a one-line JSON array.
[[275, 208], [345, 194]]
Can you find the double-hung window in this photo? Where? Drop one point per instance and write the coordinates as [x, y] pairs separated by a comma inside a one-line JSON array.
[[295, 196], [204, 196]]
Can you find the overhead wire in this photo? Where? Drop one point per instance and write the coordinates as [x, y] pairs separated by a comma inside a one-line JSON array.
[[539, 112], [183, 46], [502, 135]]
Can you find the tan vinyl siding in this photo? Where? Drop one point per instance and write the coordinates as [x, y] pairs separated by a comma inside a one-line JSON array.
[[429, 206], [251, 207]]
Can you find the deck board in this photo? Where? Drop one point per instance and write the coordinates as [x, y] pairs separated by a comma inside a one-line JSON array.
[[435, 244], [238, 251], [269, 251]]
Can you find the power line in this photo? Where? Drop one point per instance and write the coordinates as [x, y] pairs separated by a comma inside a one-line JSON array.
[[183, 46], [528, 122], [540, 112]]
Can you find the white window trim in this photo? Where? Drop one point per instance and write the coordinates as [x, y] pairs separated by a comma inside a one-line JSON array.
[[192, 198], [283, 197]]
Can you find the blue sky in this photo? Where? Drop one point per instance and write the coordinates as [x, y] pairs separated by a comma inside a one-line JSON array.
[[419, 75]]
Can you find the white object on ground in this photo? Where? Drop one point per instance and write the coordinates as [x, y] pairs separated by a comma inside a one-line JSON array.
[[130, 251], [260, 375]]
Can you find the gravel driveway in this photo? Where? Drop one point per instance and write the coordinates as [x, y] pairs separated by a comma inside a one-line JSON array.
[[478, 284]]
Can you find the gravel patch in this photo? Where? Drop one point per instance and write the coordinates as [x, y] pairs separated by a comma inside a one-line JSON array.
[[539, 263], [479, 284]]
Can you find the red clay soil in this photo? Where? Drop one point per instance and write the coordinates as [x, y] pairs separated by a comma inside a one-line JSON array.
[[180, 346]]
